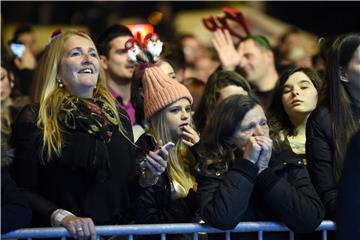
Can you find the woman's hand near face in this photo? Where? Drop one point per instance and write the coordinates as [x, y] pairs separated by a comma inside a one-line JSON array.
[[266, 145], [191, 136], [80, 228], [252, 150]]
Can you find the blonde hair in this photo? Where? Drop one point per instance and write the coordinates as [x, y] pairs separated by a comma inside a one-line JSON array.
[[180, 158], [52, 96]]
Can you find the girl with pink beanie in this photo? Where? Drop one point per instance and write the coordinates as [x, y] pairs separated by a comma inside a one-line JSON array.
[[169, 186], [164, 152]]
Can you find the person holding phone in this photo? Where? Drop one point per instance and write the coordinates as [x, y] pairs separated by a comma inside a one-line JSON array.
[[25, 63], [170, 196]]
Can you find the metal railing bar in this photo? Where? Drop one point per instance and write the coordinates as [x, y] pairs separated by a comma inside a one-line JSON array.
[[324, 235], [147, 229], [291, 235]]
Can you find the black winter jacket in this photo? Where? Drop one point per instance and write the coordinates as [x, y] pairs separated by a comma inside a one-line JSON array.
[[349, 193], [319, 148], [68, 181], [283, 192], [154, 204]]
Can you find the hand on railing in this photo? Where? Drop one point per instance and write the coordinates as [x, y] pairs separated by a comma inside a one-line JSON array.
[[80, 228], [225, 49]]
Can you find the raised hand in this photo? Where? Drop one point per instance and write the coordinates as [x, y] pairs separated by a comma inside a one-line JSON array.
[[27, 61], [225, 49], [191, 136]]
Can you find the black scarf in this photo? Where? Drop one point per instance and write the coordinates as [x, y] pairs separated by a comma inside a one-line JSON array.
[[93, 117]]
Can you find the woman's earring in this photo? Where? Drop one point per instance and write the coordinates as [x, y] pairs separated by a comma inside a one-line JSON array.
[[12, 84], [60, 84]]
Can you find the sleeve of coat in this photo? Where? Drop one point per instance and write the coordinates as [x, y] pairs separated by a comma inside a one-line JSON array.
[[349, 194], [320, 162], [150, 207], [292, 199], [26, 140], [223, 201], [15, 211]]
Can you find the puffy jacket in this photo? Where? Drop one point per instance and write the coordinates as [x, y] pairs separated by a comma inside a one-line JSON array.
[[283, 192]]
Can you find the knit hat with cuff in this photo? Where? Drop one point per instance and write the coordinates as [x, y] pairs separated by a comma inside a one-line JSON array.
[[160, 91]]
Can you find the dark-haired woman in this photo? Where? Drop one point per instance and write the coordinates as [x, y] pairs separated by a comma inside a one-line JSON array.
[[220, 85], [295, 97], [244, 176], [331, 125]]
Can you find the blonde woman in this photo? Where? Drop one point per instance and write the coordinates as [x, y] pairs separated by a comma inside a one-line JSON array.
[[167, 108], [73, 150]]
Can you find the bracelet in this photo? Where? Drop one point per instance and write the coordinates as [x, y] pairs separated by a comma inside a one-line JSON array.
[[58, 216]]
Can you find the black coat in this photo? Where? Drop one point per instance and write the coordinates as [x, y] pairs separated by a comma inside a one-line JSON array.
[[319, 149], [283, 192], [66, 181], [349, 197], [154, 204], [15, 210]]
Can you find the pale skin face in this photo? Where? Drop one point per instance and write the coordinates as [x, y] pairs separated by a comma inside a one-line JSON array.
[[299, 95], [254, 62], [192, 49], [352, 72], [254, 124], [231, 90], [178, 117], [168, 70], [29, 41], [5, 87], [79, 66], [118, 64]]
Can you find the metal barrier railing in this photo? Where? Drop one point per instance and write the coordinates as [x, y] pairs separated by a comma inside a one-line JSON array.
[[163, 229]]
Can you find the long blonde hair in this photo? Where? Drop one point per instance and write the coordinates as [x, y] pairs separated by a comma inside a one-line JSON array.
[[180, 158], [52, 96]]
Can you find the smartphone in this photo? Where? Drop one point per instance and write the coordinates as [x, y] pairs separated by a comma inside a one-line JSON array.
[[17, 49], [168, 146]]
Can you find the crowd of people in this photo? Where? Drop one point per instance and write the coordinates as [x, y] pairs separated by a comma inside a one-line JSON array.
[[94, 133]]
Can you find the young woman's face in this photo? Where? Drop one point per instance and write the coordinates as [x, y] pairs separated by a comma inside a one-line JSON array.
[[254, 123], [299, 95], [5, 84], [353, 73], [231, 90], [79, 67], [168, 70], [177, 116]]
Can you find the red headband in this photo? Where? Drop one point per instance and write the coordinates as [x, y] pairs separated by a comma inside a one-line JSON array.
[[230, 14]]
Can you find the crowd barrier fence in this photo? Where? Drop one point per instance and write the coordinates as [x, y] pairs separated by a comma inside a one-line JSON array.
[[163, 229]]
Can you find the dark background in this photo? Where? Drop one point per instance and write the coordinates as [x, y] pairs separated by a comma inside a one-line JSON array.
[[320, 18]]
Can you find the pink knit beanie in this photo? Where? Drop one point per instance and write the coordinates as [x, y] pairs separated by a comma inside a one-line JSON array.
[[160, 91]]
